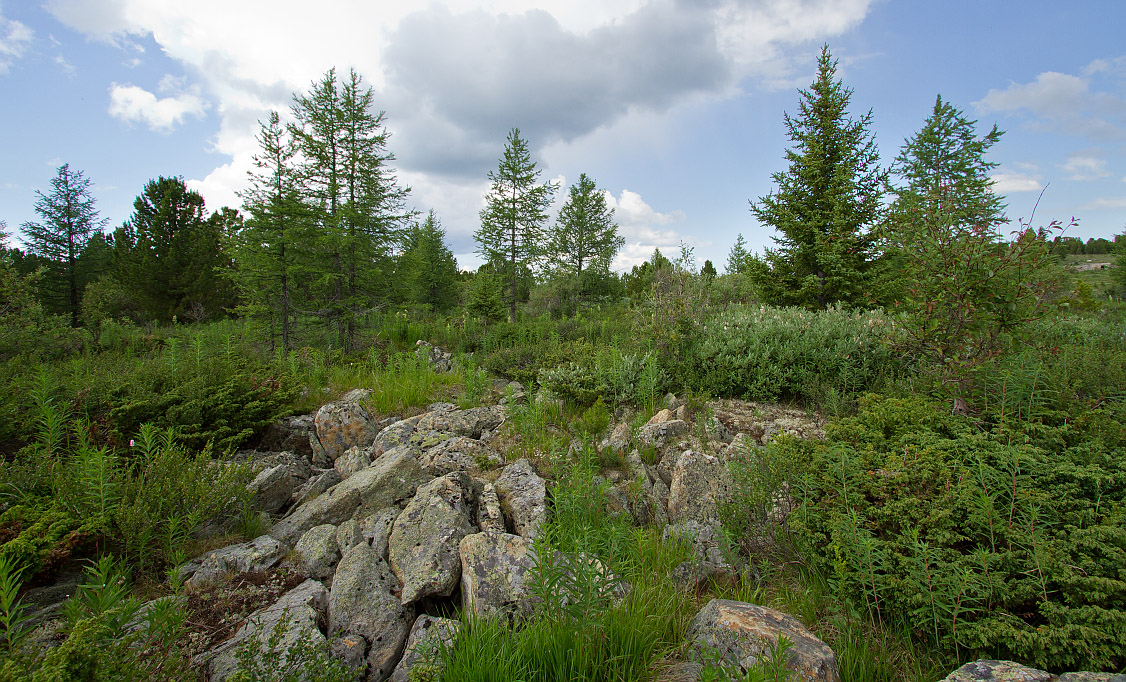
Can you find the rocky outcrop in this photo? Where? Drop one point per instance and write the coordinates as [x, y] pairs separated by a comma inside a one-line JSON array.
[[1008, 671], [392, 479], [495, 569], [659, 434], [740, 636], [363, 601], [353, 460], [423, 548], [341, 425], [460, 454], [523, 498], [289, 434], [468, 423], [272, 489], [259, 554], [701, 483], [440, 360], [294, 618], [317, 552], [423, 651], [646, 492]]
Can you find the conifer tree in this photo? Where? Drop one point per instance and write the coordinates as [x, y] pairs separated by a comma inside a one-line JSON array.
[[427, 266], [69, 221], [825, 203], [737, 257], [584, 240], [512, 222]]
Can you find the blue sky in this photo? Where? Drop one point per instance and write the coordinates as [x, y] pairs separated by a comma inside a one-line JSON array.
[[674, 108]]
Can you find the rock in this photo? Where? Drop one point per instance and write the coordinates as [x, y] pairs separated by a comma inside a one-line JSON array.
[[353, 459], [708, 542], [696, 576], [259, 554], [396, 435], [1092, 677], [523, 498], [681, 671], [363, 602], [460, 454], [317, 552], [289, 434], [681, 413], [428, 637], [489, 515], [1007, 671], [661, 417], [618, 440], [294, 617], [649, 496], [316, 485], [495, 570], [340, 425], [701, 483], [743, 635], [272, 489], [468, 423], [423, 548], [440, 360], [672, 402], [441, 407], [513, 393], [716, 430], [349, 533], [660, 434], [394, 477], [376, 529], [350, 650]]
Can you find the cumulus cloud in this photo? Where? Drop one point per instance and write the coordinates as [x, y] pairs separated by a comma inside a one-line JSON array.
[[1084, 166], [1014, 182], [645, 229], [137, 105], [1100, 204], [15, 36]]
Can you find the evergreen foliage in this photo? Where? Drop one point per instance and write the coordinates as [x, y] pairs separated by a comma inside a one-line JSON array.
[[825, 203], [512, 222], [584, 239], [427, 268], [738, 256], [69, 222]]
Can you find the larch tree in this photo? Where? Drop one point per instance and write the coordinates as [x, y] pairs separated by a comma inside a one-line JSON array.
[[69, 219], [825, 204], [584, 240], [512, 222], [427, 266]]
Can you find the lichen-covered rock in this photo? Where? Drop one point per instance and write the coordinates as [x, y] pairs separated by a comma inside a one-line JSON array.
[[495, 571], [660, 434], [317, 484], [340, 425], [618, 440], [742, 635], [259, 554], [460, 454], [695, 576], [350, 649], [394, 436], [428, 637], [393, 478], [440, 360], [489, 515], [363, 601], [423, 548], [701, 483], [317, 552], [349, 533], [672, 403], [353, 459], [648, 495], [469, 423], [986, 670], [272, 488], [294, 617], [289, 434], [707, 540], [376, 528], [523, 498], [665, 415]]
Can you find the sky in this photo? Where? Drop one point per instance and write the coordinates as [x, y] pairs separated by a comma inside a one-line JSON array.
[[674, 107]]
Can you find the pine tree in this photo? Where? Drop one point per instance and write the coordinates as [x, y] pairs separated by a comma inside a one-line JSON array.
[[427, 266], [737, 256], [69, 221], [355, 201], [825, 203], [512, 222]]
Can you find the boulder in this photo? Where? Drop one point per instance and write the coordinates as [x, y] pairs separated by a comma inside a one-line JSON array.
[[396, 435], [350, 649], [460, 454], [658, 435], [349, 533], [648, 495], [294, 617], [618, 440], [701, 483], [439, 359], [259, 554], [489, 515], [469, 423], [340, 425], [495, 572], [665, 415], [740, 636], [353, 459], [363, 602], [696, 576], [317, 552], [708, 542], [523, 498], [1007, 671], [423, 548], [393, 478], [272, 489], [428, 637], [317, 484], [672, 403], [290, 434], [376, 529]]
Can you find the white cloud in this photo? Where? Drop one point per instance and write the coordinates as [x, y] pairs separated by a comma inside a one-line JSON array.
[[15, 36], [137, 105], [1084, 166], [1013, 182], [66, 66], [644, 229], [1100, 204]]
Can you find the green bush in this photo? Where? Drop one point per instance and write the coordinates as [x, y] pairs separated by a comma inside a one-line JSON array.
[[769, 353], [615, 377], [990, 544]]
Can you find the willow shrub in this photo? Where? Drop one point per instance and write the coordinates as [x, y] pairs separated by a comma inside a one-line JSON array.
[[765, 353], [1000, 544]]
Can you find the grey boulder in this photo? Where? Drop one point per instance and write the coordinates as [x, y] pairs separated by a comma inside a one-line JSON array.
[[523, 498]]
